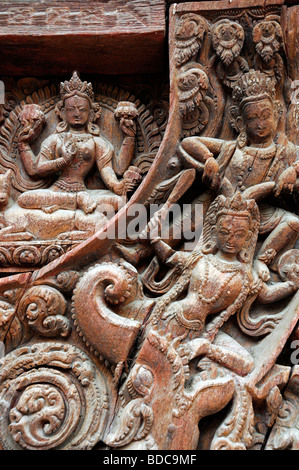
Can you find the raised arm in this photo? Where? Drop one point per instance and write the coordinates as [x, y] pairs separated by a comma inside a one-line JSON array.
[[126, 115], [45, 164]]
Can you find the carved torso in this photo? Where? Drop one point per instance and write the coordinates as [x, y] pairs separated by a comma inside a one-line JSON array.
[[250, 166], [214, 286], [87, 147]]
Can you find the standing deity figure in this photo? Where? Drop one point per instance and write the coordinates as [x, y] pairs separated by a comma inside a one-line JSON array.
[[72, 151], [258, 155]]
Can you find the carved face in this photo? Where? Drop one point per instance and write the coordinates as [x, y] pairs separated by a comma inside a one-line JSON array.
[[267, 36], [259, 120], [228, 39], [77, 111], [231, 234]]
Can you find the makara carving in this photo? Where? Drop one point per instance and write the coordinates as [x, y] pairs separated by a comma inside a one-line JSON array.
[[183, 336]]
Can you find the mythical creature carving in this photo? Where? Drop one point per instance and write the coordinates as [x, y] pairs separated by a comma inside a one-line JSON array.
[[228, 39], [267, 37]]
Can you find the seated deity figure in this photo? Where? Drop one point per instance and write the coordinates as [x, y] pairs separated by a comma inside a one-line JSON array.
[[72, 151], [215, 282], [258, 155]]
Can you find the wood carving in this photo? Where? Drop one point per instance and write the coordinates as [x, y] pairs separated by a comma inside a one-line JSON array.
[[154, 302]]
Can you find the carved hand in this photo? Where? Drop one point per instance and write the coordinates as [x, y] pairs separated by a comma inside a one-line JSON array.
[[30, 131], [198, 347], [153, 228], [293, 276], [128, 127], [211, 173], [69, 150], [286, 181], [262, 270], [131, 178]]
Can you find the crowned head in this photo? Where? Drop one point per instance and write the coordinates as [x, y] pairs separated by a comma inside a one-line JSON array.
[[77, 106], [231, 226], [255, 110], [75, 87]]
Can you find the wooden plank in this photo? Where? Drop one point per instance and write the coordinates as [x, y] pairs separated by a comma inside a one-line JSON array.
[[223, 5], [92, 36]]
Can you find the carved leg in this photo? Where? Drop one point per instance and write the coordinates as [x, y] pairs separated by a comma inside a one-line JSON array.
[[13, 233], [86, 203], [47, 200], [281, 237]]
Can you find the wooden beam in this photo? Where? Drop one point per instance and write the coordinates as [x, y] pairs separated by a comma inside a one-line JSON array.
[[54, 37]]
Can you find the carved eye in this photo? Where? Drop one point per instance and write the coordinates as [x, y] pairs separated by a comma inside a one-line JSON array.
[[240, 234]]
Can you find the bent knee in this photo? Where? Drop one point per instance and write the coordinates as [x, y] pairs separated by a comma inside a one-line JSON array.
[[292, 220]]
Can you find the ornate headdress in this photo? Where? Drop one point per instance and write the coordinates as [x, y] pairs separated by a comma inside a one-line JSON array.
[[76, 87], [253, 86], [238, 205]]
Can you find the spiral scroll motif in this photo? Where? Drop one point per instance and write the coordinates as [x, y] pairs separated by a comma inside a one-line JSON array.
[[51, 397], [44, 309]]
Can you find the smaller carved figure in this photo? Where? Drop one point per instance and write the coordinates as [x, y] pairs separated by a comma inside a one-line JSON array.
[[216, 280], [228, 39], [267, 37], [217, 276], [73, 150]]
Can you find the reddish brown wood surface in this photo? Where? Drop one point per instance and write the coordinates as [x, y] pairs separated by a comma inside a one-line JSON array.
[[98, 37]]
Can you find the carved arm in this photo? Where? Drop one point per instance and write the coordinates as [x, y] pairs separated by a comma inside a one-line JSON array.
[[36, 166], [126, 113], [125, 155]]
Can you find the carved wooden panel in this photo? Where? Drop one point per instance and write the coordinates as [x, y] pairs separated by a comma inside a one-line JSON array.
[[177, 330]]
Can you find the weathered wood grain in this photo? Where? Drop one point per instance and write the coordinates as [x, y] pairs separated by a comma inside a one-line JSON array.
[[112, 37]]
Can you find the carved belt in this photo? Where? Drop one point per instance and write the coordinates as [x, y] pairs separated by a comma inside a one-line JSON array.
[[70, 187]]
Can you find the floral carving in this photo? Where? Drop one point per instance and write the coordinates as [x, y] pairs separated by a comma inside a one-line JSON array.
[[44, 308], [189, 37]]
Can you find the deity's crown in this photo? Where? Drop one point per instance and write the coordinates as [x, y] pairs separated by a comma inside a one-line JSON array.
[[236, 206], [253, 86], [76, 87]]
